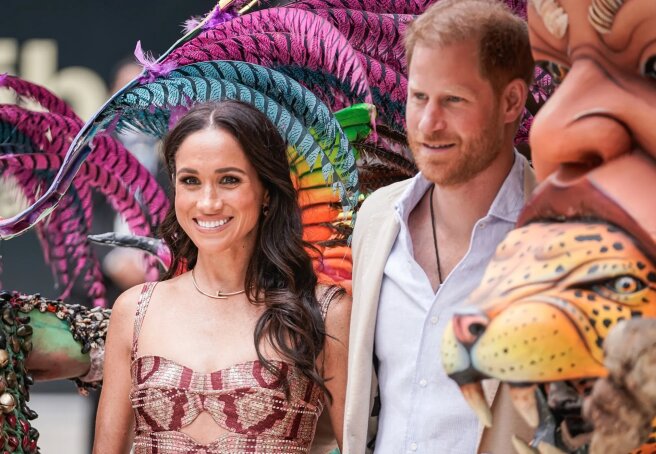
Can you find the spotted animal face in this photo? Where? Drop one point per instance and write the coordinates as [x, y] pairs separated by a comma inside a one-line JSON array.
[[547, 301]]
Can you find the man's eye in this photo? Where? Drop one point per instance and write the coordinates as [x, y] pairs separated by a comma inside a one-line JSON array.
[[454, 99], [649, 68], [555, 70], [419, 96]]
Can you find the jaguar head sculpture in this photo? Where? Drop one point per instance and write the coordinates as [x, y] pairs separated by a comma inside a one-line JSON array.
[[582, 259]]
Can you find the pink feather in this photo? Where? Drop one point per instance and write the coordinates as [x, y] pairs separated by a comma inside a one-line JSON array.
[[45, 98], [320, 40], [191, 24], [152, 68], [213, 18]]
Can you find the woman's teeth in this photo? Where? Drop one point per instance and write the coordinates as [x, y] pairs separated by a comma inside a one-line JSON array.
[[212, 224]]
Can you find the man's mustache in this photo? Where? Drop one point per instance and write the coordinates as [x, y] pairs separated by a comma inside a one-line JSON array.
[[432, 138]]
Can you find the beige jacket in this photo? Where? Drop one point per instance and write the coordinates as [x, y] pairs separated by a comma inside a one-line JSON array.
[[376, 232]]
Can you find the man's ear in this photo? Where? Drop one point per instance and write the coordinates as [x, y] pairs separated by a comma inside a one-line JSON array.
[[513, 100]]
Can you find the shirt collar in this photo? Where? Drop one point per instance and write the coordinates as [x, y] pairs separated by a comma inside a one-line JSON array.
[[506, 205]]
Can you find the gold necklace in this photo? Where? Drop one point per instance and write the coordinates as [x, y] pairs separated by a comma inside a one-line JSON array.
[[219, 295]]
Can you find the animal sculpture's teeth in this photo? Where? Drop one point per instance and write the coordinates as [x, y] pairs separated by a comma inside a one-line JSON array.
[[546, 448], [523, 398], [473, 393], [522, 447]]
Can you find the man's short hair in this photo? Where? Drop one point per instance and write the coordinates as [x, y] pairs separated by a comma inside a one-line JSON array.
[[504, 49]]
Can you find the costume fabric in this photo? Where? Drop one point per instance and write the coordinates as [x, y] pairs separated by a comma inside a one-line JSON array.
[[375, 236], [245, 399]]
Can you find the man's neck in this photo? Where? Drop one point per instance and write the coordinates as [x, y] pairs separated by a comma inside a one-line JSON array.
[[459, 207]]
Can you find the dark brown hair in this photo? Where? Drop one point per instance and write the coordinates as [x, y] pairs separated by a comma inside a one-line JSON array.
[[279, 273], [504, 51]]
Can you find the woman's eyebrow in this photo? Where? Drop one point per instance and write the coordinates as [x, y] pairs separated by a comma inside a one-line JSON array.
[[229, 169], [219, 170]]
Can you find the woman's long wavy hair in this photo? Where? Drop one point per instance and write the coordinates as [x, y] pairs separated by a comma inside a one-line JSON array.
[[280, 273]]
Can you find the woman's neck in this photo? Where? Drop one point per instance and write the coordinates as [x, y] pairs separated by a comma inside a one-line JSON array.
[[225, 271]]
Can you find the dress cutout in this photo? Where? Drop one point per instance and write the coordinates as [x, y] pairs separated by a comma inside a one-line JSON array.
[[245, 399]]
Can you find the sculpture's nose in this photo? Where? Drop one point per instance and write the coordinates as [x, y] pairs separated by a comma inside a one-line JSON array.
[[584, 124], [468, 328]]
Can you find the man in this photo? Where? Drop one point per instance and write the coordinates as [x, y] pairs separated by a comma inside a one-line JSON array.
[[420, 246]]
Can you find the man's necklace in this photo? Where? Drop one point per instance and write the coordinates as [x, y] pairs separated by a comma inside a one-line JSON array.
[[437, 252], [219, 295]]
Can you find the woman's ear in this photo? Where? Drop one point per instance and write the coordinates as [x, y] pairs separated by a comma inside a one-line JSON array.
[[513, 100]]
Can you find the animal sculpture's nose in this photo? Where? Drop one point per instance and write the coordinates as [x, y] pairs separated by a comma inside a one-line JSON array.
[[468, 328]]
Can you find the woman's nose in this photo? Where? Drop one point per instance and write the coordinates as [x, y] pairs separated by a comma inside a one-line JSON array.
[[580, 125], [210, 201]]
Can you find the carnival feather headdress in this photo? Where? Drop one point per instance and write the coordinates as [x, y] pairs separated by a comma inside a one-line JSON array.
[[300, 63], [33, 145]]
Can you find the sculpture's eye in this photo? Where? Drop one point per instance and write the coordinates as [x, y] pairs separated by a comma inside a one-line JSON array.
[[555, 70], [649, 67], [621, 285]]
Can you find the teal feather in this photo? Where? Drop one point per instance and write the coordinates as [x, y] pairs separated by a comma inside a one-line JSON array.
[[304, 104], [147, 107]]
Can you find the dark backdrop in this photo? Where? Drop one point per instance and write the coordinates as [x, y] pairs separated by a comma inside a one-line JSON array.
[[95, 35]]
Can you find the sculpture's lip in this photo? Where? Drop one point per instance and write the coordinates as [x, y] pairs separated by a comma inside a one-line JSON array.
[[554, 410]]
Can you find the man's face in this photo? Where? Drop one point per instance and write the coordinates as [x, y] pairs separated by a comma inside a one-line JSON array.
[[453, 117]]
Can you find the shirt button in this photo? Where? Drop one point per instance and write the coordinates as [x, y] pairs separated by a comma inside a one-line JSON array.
[[413, 447], [482, 225], [434, 319], [423, 382]]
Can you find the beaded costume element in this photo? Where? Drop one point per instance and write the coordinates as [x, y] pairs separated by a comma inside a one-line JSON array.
[[245, 399]]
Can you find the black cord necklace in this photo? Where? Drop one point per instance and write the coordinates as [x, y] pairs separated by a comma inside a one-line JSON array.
[[437, 252]]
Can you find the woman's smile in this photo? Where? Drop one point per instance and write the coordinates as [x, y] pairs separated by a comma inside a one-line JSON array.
[[213, 225]]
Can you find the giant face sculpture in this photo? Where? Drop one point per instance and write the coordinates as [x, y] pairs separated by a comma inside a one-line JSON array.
[[582, 259]]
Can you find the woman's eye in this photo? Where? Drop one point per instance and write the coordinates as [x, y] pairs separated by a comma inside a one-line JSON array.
[[555, 70], [188, 180], [229, 180], [649, 68]]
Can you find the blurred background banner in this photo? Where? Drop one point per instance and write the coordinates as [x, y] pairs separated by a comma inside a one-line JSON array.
[[75, 48], [72, 46]]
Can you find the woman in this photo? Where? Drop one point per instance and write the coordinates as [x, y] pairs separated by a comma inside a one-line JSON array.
[[232, 355]]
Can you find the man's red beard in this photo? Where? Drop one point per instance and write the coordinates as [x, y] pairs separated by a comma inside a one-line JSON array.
[[459, 163]]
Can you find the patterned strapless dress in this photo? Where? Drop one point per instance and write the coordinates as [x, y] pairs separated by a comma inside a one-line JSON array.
[[245, 399]]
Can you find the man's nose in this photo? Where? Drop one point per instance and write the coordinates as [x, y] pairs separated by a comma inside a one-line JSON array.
[[432, 119], [580, 125]]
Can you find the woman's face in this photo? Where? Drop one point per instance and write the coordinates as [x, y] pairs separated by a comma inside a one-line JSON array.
[[218, 194]]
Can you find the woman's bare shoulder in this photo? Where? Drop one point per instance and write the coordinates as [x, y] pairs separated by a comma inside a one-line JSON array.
[[126, 303]]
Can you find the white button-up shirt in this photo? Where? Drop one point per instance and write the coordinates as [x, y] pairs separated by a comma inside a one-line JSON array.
[[422, 410]]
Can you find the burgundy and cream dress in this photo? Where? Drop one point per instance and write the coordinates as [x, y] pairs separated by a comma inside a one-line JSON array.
[[245, 400]]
